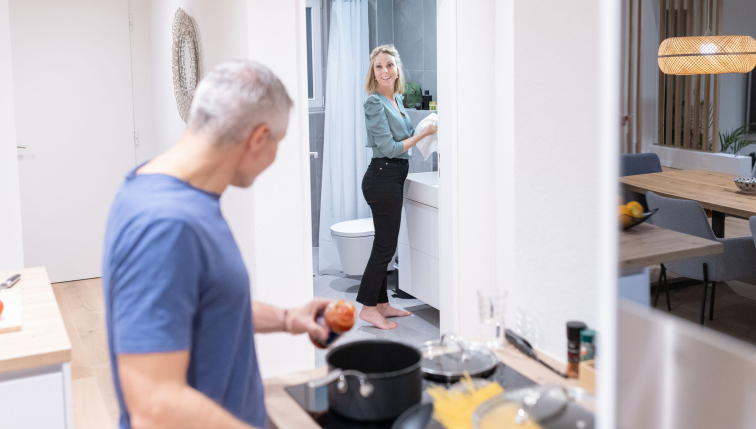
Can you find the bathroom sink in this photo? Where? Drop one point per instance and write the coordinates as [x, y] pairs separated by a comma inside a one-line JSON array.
[[422, 187]]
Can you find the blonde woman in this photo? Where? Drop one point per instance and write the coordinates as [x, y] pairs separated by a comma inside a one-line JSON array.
[[390, 134]]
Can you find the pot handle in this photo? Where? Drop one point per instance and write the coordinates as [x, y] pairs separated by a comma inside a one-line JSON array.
[[366, 388]]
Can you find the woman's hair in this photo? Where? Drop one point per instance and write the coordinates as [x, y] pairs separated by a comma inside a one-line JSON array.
[[370, 83]]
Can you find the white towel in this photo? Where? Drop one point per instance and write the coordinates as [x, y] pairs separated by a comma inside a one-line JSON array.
[[429, 144]]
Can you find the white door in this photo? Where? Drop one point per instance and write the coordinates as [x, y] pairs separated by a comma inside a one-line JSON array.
[[72, 81]]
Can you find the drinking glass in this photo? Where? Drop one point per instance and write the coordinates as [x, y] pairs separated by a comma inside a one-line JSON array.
[[492, 303]]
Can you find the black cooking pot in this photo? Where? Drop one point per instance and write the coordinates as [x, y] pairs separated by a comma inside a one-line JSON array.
[[372, 380]]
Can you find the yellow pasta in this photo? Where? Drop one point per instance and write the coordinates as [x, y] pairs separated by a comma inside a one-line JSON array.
[[454, 409]]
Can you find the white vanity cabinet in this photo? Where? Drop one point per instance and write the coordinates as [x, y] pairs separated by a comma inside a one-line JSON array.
[[418, 238]]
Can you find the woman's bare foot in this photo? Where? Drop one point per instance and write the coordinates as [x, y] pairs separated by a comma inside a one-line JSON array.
[[388, 311], [374, 317]]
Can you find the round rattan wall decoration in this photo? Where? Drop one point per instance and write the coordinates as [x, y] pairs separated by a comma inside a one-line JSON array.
[[186, 62]]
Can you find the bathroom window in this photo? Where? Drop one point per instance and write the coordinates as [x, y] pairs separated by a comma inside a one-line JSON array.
[[314, 54]]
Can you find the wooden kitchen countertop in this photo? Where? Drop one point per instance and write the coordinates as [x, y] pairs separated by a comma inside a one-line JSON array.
[[285, 413], [646, 245], [43, 339]]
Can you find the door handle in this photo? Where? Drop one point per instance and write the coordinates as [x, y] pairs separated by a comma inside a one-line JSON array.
[[21, 147], [315, 154]]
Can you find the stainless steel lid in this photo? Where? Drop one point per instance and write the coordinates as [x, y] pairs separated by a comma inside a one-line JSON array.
[[447, 359]]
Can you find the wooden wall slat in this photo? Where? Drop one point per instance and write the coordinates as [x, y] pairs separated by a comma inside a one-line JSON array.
[[660, 99], [630, 69], [687, 104], [697, 80], [715, 130], [638, 92], [707, 96], [670, 79], [677, 138]]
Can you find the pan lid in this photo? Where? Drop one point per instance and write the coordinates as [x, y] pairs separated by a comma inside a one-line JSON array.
[[449, 357]]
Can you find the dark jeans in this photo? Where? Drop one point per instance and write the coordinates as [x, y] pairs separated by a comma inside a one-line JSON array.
[[383, 188]]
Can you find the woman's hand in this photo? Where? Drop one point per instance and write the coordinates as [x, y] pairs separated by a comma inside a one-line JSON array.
[[302, 320], [430, 130]]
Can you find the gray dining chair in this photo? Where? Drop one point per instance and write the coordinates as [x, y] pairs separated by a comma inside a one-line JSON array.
[[638, 163], [736, 262]]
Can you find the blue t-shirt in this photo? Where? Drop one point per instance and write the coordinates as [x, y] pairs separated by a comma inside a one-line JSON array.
[[174, 279]]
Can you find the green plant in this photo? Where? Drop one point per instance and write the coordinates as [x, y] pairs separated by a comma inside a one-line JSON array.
[[733, 142]]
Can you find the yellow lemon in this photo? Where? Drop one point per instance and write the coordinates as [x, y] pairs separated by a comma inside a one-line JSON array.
[[636, 209], [625, 215]]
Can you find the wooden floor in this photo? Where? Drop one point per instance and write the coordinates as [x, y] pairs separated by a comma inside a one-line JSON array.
[[94, 401]]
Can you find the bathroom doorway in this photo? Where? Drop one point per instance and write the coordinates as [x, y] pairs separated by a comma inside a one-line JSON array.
[[410, 25]]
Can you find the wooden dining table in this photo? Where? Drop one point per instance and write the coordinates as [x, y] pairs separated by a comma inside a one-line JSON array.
[[714, 191]]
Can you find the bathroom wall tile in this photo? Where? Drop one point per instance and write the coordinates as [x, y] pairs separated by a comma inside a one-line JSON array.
[[414, 76], [414, 165], [318, 179], [408, 32], [319, 124], [315, 228], [419, 166], [429, 34], [372, 23], [313, 181], [313, 130], [417, 115], [319, 147], [430, 81], [384, 32]]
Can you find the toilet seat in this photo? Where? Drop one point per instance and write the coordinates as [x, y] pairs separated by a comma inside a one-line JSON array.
[[354, 228]]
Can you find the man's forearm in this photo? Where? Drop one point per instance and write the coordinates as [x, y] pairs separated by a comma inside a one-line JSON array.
[[158, 397], [186, 408], [268, 318]]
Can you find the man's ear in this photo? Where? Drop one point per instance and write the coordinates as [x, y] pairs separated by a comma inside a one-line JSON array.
[[258, 138]]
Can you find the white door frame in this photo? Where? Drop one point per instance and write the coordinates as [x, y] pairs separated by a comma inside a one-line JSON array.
[[448, 212]]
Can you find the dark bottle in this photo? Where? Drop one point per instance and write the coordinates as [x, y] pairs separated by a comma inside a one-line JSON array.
[[427, 98], [573, 348]]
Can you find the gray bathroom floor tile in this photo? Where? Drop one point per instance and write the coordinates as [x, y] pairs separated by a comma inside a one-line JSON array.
[[421, 326]]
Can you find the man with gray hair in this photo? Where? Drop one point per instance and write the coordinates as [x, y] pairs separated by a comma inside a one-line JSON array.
[[179, 314]]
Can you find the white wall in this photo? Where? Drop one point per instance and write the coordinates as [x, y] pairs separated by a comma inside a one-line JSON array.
[[555, 200], [11, 251], [476, 207], [271, 220], [281, 210], [557, 191], [466, 179], [222, 30]]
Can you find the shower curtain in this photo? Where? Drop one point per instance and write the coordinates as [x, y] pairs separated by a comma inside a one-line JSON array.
[[345, 157]]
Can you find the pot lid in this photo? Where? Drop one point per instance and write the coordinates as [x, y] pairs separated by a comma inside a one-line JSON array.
[[449, 358]]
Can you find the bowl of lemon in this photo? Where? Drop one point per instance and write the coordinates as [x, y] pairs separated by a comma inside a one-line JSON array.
[[631, 214]]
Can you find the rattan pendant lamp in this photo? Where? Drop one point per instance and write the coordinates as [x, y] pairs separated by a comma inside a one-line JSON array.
[[707, 54]]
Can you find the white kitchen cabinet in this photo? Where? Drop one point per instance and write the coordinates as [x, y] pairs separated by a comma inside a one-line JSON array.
[[418, 239], [37, 398], [35, 362]]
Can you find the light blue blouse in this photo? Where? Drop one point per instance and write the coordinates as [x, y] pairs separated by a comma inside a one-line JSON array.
[[386, 127]]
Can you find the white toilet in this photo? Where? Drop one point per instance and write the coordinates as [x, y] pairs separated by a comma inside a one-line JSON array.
[[354, 242]]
